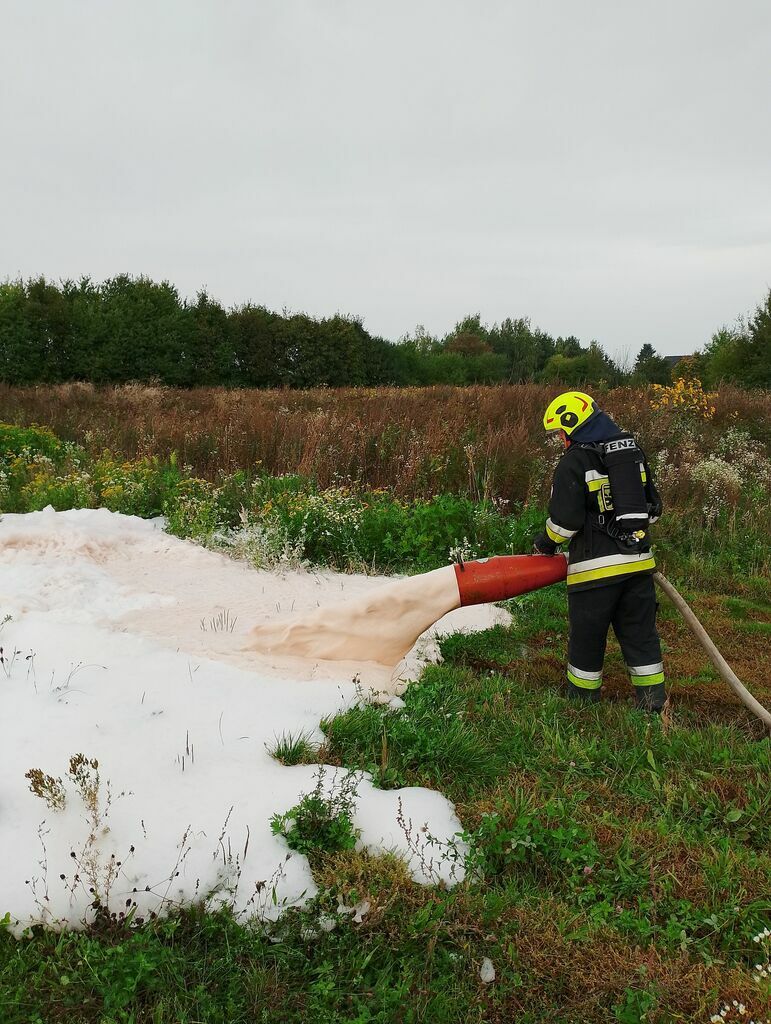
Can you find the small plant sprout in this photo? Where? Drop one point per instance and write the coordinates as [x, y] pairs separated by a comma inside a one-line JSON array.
[[84, 773], [450, 851], [74, 670], [188, 757], [222, 622], [7, 661], [461, 552], [49, 789], [265, 895]]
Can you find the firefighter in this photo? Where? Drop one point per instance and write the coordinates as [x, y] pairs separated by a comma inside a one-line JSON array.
[[602, 503]]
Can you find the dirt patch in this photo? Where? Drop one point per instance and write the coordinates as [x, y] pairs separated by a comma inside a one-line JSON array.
[[586, 977]]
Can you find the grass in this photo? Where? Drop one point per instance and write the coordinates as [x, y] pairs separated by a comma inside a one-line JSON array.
[[619, 864], [294, 748]]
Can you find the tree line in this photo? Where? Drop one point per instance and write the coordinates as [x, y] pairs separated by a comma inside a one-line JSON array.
[[134, 329]]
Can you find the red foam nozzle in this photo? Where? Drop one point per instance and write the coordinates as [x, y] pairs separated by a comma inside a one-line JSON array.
[[496, 579]]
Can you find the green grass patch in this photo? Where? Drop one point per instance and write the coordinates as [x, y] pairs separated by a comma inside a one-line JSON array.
[[618, 865], [751, 616], [294, 748]]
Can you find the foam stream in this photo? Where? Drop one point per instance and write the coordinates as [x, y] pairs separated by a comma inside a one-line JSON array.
[[379, 626]]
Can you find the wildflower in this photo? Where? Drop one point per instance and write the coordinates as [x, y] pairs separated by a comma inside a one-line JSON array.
[[686, 396]]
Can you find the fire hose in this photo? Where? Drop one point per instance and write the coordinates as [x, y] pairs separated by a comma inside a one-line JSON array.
[[495, 579], [725, 671]]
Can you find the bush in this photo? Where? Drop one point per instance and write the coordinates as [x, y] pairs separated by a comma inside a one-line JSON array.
[[192, 511], [320, 821], [28, 440], [139, 488]]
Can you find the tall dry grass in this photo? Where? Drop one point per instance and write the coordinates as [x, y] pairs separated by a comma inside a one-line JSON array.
[[480, 441]]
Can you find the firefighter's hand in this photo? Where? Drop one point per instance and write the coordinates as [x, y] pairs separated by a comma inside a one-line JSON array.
[[544, 545]]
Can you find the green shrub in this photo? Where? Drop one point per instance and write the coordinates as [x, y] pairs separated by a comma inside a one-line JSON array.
[[193, 510], [139, 488], [71, 489], [320, 821], [30, 441]]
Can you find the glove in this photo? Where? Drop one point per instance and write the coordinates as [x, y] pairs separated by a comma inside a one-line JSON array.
[[544, 545], [654, 510]]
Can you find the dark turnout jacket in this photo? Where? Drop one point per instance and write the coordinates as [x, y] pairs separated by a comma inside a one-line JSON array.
[[581, 508]]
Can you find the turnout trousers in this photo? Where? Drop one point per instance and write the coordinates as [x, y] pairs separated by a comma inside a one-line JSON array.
[[629, 606]]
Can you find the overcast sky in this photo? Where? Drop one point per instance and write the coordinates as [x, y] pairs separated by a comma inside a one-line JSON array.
[[602, 167]]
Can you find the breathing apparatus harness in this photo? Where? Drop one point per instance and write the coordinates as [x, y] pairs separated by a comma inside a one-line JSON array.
[[628, 516]]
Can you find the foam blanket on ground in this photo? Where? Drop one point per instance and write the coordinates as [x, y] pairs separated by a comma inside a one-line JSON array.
[[126, 645]]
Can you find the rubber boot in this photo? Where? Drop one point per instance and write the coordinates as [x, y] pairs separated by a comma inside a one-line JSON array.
[[581, 693], [651, 698]]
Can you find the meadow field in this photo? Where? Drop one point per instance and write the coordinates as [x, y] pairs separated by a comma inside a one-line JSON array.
[[388, 478], [617, 866], [416, 442]]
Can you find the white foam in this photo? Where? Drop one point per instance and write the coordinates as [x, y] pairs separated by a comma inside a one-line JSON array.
[[123, 671]]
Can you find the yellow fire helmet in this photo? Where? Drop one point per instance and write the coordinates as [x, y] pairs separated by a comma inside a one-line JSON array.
[[568, 411]]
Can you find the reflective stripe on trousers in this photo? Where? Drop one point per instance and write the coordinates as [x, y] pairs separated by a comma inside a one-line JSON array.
[[646, 675], [586, 680]]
